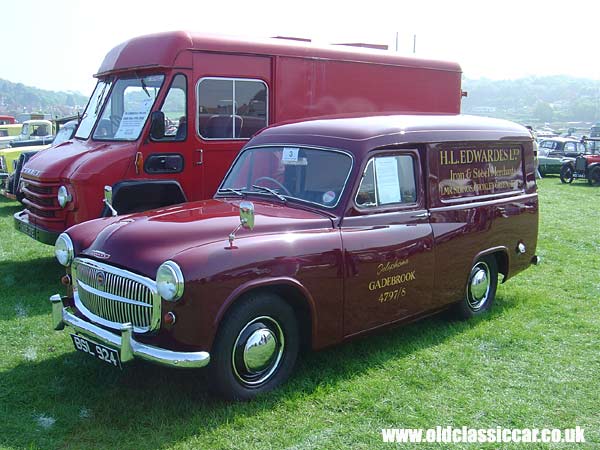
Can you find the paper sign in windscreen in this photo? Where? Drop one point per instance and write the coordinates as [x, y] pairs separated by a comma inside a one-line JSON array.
[[388, 183], [133, 121]]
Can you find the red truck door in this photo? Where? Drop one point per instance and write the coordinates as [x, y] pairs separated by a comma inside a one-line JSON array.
[[388, 244], [231, 94]]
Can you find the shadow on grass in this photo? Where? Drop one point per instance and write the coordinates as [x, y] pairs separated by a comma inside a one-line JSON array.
[[146, 406], [26, 285], [8, 207]]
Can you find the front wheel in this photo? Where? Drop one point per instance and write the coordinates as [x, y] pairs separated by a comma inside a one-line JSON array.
[[480, 290], [256, 347], [594, 177], [566, 174]]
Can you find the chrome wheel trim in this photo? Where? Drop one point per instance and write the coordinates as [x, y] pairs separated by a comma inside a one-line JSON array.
[[478, 288], [258, 351]]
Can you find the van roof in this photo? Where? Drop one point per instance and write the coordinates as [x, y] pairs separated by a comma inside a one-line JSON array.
[[162, 50], [364, 133]]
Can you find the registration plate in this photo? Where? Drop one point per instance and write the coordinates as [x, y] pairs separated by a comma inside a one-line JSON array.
[[103, 353], [27, 228]]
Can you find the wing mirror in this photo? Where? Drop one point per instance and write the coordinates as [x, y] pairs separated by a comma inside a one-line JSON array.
[[157, 125], [108, 200], [247, 215], [246, 220]]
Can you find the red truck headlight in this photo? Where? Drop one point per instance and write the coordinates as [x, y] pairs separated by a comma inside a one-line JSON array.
[[63, 196]]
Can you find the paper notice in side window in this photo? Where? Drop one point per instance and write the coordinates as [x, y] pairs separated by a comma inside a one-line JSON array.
[[290, 155], [388, 182]]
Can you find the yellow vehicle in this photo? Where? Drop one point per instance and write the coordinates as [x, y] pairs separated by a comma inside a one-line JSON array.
[[33, 132], [9, 132], [10, 156]]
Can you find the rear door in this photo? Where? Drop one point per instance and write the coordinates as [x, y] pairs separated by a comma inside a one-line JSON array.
[[232, 102], [388, 244]]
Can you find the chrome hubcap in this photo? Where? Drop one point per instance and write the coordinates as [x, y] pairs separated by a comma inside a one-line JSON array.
[[257, 351], [479, 286]]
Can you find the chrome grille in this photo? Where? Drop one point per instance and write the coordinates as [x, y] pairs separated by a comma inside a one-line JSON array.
[[111, 296]]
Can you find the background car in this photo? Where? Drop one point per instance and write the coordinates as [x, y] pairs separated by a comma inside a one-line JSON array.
[[554, 152]]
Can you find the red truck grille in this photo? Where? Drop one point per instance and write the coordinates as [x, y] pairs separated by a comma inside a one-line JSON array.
[[41, 201]]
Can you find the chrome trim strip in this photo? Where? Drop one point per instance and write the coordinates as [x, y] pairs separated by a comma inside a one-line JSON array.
[[477, 204], [127, 346], [116, 298]]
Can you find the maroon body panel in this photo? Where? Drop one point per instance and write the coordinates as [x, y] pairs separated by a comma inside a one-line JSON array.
[[303, 81], [351, 268]]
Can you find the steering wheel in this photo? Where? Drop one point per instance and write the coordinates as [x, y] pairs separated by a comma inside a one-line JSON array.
[[274, 181]]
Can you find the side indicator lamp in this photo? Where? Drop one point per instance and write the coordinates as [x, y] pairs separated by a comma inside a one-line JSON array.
[[139, 162], [170, 318]]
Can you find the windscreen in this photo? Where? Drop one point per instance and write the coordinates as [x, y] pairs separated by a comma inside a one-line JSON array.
[[295, 173], [128, 107], [88, 119]]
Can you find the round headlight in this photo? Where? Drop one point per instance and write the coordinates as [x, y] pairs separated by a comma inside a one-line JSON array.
[[169, 281], [63, 196], [63, 250]]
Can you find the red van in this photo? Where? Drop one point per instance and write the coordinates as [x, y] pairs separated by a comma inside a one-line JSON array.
[[320, 231], [171, 111]]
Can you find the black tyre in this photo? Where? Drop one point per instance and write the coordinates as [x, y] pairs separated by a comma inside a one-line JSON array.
[[255, 348], [566, 174], [480, 290], [594, 176]]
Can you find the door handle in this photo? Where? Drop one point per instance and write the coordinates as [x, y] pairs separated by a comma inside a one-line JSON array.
[[200, 156], [424, 215]]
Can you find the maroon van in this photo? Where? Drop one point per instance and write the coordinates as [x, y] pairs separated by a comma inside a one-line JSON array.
[[320, 231]]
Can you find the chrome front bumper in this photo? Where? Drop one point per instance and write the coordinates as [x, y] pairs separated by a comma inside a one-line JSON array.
[[127, 346]]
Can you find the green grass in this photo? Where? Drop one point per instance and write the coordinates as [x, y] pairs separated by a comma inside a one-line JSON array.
[[534, 361]]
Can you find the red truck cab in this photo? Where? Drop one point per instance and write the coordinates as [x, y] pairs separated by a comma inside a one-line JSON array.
[[321, 231], [171, 111]]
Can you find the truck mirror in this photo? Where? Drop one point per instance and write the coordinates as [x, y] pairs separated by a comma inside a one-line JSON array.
[[108, 200], [247, 215], [157, 125]]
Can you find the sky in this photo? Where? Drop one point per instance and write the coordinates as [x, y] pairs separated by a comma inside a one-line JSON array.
[[59, 45]]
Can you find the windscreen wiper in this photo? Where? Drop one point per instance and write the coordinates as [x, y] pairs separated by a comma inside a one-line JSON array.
[[143, 84], [235, 191], [99, 100], [271, 191]]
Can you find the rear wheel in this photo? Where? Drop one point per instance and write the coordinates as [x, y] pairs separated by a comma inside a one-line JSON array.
[[256, 347], [594, 177], [566, 173], [480, 290]]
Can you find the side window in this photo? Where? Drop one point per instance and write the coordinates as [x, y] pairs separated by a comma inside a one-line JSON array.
[[569, 146], [231, 108], [387, 180], [175, 110]]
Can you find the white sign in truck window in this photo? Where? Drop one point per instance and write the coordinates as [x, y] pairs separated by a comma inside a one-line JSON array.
[[388, 182], [133, 121]]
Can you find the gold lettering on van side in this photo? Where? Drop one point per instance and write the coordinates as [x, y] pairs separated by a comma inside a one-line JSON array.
[[480, 155], [393, 280], [389, 266]]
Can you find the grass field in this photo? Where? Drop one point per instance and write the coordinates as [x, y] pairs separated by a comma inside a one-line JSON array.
[[534, 361]]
